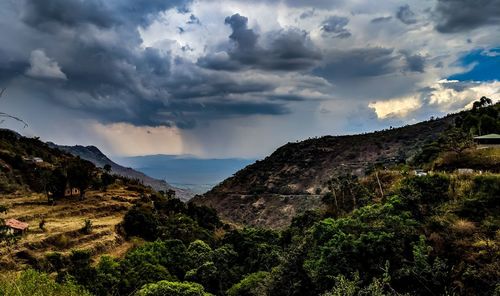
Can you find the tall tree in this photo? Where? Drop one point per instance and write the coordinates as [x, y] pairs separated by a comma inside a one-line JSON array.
[[80, 175]]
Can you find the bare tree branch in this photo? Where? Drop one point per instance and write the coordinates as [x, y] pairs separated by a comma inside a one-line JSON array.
[[5, 115]]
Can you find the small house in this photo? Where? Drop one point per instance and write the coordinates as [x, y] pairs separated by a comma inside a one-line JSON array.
[[37, 160], [71, 191], [16, 227], [420, 173], [465, 171], [487, 141], [33, 160]]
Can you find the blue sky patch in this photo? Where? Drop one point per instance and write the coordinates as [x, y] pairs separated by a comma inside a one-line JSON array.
[[486, 66]]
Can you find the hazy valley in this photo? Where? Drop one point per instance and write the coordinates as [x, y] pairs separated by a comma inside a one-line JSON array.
[[249, 148], [420, 201]]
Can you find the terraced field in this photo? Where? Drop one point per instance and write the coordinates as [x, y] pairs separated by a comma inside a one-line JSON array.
[[63, 225]]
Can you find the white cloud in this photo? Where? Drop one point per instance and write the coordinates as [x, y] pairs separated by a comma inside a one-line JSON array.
[[453, 96], [42, 66], [128, 140], [400, 107]]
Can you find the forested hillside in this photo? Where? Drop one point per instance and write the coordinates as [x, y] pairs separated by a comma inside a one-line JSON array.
[[387, 231], [66, 202], [292, 179]]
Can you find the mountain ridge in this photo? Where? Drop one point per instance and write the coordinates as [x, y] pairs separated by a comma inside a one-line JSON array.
[[95, 155], [290, 181]]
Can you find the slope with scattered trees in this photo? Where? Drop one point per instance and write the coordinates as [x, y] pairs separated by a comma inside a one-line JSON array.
[[383, 232], [94, 155], [292, 179]]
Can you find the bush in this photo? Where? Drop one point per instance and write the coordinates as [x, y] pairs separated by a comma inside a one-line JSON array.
[[421, 193], [251, 285], [363, 242], [34, 283], [87, 226], [484, 198], [172, 289], [140, 221]]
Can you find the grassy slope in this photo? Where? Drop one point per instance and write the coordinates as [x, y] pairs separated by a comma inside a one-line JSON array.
[[63, 223], [21, 193]]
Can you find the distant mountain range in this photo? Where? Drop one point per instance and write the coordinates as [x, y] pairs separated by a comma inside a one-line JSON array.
[[185, 171], [94, 155]]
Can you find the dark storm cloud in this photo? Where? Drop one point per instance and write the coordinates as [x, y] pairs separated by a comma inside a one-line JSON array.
[[52, 13], [381, 19], [180, 112], [226, 108], [10, 68], [111, 78], [315, 3], [287, 50], [334, 26], [291, 50], [357, 63], [462, 15], [66, 12], [406, 15], [244, 38], [414, 62], [212, 85]]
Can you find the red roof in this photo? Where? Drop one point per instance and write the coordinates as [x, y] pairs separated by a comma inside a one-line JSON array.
[[16, 224]]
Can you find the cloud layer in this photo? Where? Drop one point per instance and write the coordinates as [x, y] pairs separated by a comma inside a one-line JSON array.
[[207, 75]]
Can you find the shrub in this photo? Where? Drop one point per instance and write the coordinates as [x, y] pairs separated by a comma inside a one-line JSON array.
[[361, 242], [140, 221], [61, 241], [172, 289], [34, 283], [251, 285], [421, 193], [87, 226]]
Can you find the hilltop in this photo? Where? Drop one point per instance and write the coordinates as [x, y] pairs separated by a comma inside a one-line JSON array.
[[293, 179], [33, 178], [94, 155]]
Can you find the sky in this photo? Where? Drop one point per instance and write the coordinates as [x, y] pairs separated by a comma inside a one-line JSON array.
[[239, 78]]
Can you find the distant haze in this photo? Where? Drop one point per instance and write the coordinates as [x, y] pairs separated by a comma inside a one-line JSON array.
[[196, 174]]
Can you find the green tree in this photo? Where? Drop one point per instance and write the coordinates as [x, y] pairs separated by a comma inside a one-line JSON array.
[[107, 168], [163, 288], [55, 184], [142, 266], [482, 102], [456, 140], [346, 193], [140, 221], [79, 174], [258, 249], [106, 180], [252, 285], [34, 283], [362, 241], [199, 253], [107, 277]]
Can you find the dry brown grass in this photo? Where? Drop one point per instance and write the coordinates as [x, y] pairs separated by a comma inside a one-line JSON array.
[[63, 223], [463, 227]]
